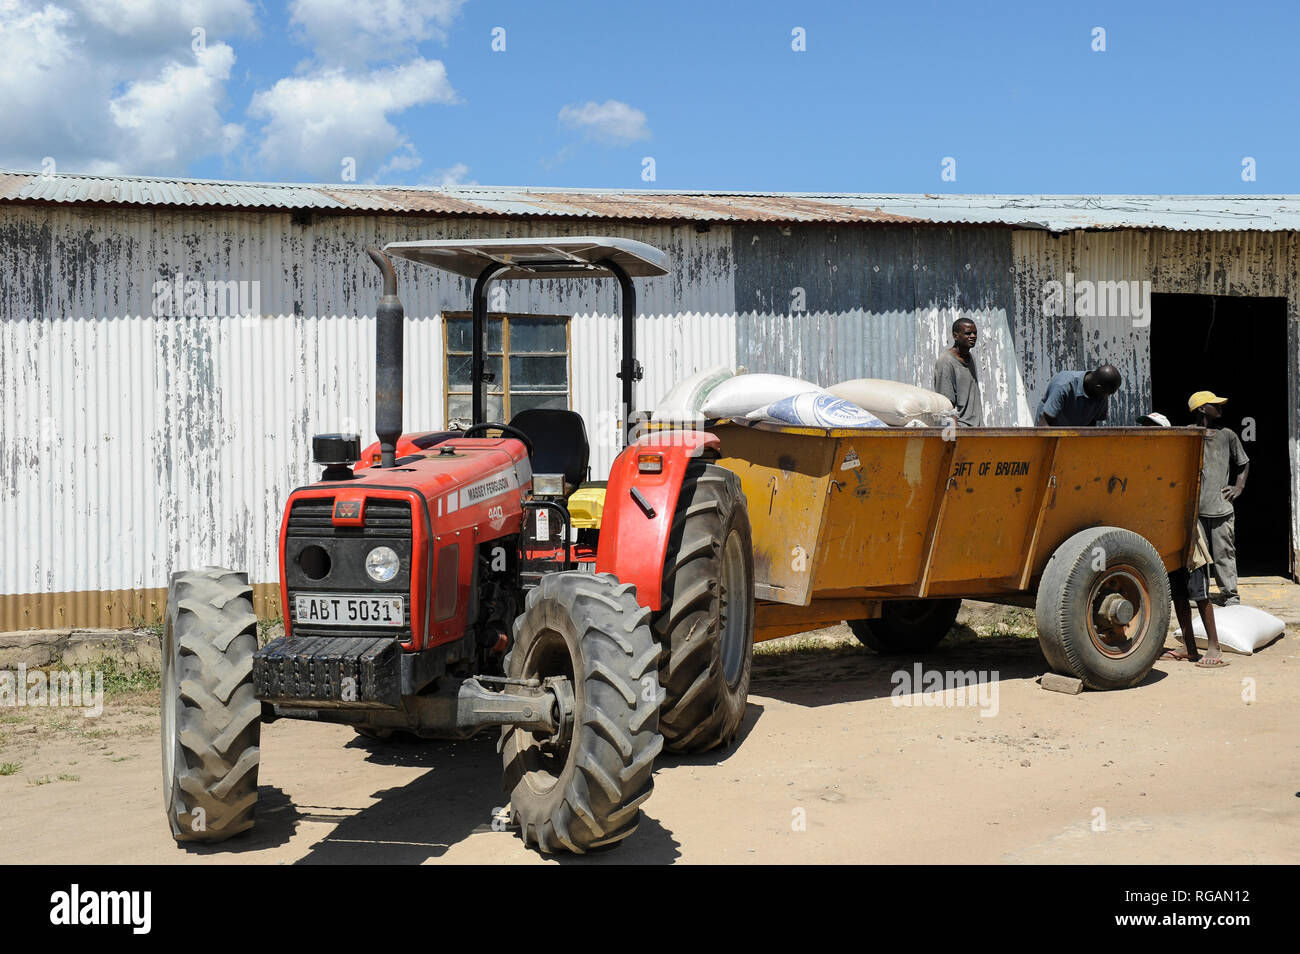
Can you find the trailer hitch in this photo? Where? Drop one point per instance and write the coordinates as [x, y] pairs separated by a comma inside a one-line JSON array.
[[544, 707]]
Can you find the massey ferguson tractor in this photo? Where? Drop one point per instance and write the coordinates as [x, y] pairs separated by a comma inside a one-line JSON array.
[[434, 584]]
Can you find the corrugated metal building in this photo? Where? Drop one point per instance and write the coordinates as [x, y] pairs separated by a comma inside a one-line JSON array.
[[142, 432]]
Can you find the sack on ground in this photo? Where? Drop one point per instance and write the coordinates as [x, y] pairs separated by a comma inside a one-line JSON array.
[[816, 409], [1241, 629], [685, 402], [738, 396], [894, 402]]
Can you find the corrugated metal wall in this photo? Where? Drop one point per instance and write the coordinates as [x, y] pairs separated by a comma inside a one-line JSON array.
[[877, 303], [133, 444]]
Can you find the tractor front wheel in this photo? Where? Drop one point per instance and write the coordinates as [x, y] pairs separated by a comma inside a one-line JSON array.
[[211, 720], [582, 788]]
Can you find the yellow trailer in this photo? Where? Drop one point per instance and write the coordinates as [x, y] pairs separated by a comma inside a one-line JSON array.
[[890, 528]]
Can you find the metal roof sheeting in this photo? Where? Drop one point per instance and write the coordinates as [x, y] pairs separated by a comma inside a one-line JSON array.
[[1055, 213]]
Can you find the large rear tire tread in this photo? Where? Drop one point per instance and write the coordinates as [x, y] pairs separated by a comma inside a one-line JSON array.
[[210, 637], [702, 709], [609, 770], [1062, 608]]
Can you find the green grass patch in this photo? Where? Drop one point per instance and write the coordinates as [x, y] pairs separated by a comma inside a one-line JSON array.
[[809, 645], [10, 768], [154, 627], [268, 629], [120, 679]]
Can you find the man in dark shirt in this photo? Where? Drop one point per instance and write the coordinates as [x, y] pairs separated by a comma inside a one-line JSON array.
[[1223, 454], [954, 374], [1078, 398]]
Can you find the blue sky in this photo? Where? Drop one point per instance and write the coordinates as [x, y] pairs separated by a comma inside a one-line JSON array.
[[714, 93]]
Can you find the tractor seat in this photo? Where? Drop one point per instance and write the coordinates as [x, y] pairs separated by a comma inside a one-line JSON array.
[[559, 442]]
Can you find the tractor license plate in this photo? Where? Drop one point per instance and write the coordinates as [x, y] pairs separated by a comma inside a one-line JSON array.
[[345, 610]]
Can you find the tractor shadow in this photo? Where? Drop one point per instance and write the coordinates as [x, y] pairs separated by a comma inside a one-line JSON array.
[[457, 795], [828, 675]]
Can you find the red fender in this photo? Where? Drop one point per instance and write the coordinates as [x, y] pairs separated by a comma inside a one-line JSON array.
[[633, 544]]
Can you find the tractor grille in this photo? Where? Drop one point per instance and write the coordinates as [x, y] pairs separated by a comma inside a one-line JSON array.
[[311, 517], [387, 523]]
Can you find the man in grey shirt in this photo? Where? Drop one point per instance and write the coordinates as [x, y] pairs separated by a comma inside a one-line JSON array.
[[954, 374], [1223, 454]]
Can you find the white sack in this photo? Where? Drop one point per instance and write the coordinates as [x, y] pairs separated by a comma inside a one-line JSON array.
[[894, 402], [816, 409], [685, 402], [748, 392], [1242, 629]]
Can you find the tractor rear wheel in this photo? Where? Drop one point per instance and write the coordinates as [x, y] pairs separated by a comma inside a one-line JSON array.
[[582, 788], [907, 626], [706, 623], [211, 720], [1103, 608]]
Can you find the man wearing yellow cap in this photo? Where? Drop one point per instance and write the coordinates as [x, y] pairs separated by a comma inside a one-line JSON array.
[[1223, 455]]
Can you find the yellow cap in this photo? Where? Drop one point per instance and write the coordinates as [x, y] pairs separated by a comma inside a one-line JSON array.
[[1203, 397]]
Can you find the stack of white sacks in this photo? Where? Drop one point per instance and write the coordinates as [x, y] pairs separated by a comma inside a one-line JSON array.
[[864, 402]]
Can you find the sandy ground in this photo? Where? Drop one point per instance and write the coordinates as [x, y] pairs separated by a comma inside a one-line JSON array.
[[1188, 767]]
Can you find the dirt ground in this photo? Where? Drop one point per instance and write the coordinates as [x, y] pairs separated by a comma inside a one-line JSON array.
[[1191, 766]]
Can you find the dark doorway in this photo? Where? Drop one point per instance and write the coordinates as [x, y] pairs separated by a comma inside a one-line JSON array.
[[1235, 347]]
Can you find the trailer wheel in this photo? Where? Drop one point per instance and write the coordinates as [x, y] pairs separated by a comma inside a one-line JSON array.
[[706, 625], [1103, 608], [907, 626], [584, 790], [211, 720]]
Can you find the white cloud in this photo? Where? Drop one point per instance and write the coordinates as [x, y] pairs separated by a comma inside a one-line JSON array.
[[313, 122], [175, 116], [404, 160], [612, 122], [452, 176], [74, 89], [350, 31], [166, 26]]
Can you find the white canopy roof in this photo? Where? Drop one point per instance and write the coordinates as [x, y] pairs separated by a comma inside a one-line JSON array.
[[535, 257]]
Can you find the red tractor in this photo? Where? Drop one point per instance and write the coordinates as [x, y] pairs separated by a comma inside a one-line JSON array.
[[432, 584]]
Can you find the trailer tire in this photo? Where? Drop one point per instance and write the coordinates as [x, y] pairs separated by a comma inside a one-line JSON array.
[[211, 719], [706, 623], [1103, 608], [907, 627], [585, 794]]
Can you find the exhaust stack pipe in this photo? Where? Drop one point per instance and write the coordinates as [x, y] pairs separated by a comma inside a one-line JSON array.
[[389, 320]]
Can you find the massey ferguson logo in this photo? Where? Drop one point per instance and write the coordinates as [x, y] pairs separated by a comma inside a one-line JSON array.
[[477, 493], [347, 510]]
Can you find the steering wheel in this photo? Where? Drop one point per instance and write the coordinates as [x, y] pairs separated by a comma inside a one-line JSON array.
[[514, 432]]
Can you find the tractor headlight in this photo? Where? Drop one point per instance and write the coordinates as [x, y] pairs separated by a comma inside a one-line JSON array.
[[548, 485], [382, 564]]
